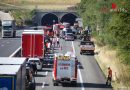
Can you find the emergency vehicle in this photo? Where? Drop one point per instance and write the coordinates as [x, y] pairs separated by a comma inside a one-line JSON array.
[[64, 69]]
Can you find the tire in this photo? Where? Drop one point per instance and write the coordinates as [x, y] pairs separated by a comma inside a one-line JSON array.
[[81, 53], [92, 53], [74, 83], [55, 84]]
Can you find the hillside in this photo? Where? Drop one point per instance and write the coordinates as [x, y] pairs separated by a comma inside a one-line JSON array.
[[43, 4], [109, 21]]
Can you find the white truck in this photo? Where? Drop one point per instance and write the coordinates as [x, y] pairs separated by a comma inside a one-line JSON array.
[[8, 28], [64, 70]]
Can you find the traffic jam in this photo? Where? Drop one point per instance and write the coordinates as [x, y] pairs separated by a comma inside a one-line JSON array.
[[43, 47]]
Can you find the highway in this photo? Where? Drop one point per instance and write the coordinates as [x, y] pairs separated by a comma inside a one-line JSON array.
[[9, 45], [90, 76]]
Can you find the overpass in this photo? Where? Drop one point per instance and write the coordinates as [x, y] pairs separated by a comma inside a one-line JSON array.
[[48, 17]]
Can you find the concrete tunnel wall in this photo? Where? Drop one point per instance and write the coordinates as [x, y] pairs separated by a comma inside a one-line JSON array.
[[50, 18]]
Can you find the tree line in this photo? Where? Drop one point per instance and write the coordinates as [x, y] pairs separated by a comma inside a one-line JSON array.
[[110, 24]]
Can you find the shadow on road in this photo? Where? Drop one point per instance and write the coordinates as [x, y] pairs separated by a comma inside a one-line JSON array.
[[93, 85], [45, 71], [40, 75], [87, 85], [80, 66], [39, 84]]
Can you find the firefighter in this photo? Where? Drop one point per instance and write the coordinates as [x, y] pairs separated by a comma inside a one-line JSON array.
[[109, 78]]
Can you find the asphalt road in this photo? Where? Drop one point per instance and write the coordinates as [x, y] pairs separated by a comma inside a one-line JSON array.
[[90, 76], [9, 45]]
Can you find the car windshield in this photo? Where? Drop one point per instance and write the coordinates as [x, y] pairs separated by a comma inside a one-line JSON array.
[[86, 43]]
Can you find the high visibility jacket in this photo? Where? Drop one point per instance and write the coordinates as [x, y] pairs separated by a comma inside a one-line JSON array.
[[110, 73]]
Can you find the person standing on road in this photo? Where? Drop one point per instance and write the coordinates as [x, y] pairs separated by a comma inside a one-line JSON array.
[[58, 42], [54, 41], [109, 78], [34, 67]]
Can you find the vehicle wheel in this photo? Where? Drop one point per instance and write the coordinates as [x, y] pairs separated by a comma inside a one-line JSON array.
[[74, 83], [81, 53], [55, 84], [92, 52]]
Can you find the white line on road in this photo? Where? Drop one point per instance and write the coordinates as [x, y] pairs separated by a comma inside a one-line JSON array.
[[15, 52], [43, 84], [46, 73], [7, 42], [2, 45], [79, 72]]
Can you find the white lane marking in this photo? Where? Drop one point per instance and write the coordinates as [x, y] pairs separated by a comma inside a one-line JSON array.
[[79, 72], [15, 52], [43, 84], [7, 42], [46, 73], [2, 45]]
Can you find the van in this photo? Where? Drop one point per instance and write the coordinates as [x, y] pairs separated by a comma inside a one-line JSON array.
[[37, 61]]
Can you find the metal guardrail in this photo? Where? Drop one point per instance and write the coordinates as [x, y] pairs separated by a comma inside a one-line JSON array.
[[17, 53]]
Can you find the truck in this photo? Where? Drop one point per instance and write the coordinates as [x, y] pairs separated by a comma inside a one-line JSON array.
[[12, 77], [8, 28], [32, 44], [87, 47], [14, 61], [64, 70]]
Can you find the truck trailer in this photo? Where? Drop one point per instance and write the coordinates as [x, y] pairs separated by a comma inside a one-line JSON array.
[[12, 77], [15, 61], [32, 44]]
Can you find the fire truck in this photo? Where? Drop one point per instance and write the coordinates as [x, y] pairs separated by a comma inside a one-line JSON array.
[[64, 69]]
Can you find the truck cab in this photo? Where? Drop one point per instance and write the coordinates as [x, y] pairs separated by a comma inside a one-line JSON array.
[[8, 28]]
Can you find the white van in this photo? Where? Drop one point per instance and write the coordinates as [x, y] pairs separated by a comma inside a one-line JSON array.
[[37, 61]]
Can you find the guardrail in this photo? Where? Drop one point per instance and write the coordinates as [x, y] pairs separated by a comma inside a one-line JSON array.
[[17, 53]]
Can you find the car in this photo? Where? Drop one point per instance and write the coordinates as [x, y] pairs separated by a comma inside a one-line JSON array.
[[69, 37], [37, 61], [87, 47]]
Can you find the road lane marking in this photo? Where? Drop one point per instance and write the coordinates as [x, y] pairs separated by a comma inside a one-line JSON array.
[[7, 42], [15, 52], [46, 73], [2, 45], [79, 72], [43, 84]]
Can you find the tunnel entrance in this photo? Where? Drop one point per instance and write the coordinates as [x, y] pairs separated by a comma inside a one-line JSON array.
[[49, 19], [70, 18]]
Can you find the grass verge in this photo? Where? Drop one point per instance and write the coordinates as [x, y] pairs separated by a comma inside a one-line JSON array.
[[108, 57]]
